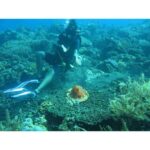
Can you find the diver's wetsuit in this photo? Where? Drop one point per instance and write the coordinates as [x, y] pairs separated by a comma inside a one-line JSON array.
[[71, 41]]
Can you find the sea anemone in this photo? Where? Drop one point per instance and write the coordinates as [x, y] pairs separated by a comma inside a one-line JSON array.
[[76, 95]]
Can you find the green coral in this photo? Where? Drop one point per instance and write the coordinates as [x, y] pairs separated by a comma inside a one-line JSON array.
[[45, 105], [135, 103]]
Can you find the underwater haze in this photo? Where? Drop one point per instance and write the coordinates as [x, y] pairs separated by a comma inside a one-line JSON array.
[[32, 23], [75, 75]]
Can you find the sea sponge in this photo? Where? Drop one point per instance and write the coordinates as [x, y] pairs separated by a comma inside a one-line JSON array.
[[76, 95]]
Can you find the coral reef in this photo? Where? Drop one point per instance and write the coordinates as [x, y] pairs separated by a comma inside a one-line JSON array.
[[109, 56], [45, 105], [28, 125], [16, 60], [135, 102], [131, 106], [40, 45]]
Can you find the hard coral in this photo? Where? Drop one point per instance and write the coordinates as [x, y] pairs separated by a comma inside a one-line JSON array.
[[77, 94], [45, 106]]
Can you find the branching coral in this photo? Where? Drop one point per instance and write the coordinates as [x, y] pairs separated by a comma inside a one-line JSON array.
[[135, 103]]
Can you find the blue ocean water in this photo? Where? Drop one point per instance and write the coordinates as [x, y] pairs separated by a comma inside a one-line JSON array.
[[108, 56], [33, 23]]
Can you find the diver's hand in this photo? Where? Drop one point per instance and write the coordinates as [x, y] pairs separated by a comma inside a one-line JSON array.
[[64, 48], [71, 66], [78, 58], [67, 65]]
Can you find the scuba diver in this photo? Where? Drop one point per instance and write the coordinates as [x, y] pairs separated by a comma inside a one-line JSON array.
[[65, 54]]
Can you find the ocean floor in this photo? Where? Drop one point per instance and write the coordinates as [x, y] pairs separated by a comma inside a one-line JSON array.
[[114, 77]]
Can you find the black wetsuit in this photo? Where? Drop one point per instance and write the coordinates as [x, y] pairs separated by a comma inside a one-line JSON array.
[[71, 42]]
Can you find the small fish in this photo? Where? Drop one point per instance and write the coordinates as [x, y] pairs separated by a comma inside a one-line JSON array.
[[24, 94]]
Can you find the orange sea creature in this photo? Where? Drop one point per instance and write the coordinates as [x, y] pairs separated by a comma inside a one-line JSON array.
[[77, 94]]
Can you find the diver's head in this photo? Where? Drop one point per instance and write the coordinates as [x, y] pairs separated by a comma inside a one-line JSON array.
[[72, 27]]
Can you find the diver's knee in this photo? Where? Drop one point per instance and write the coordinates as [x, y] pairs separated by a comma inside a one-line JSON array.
[[51, 71]]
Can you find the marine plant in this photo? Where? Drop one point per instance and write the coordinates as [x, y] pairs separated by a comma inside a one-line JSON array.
[[134, 103]]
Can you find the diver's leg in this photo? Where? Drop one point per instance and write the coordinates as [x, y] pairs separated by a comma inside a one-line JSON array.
[[40, 55], [46, 81]]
